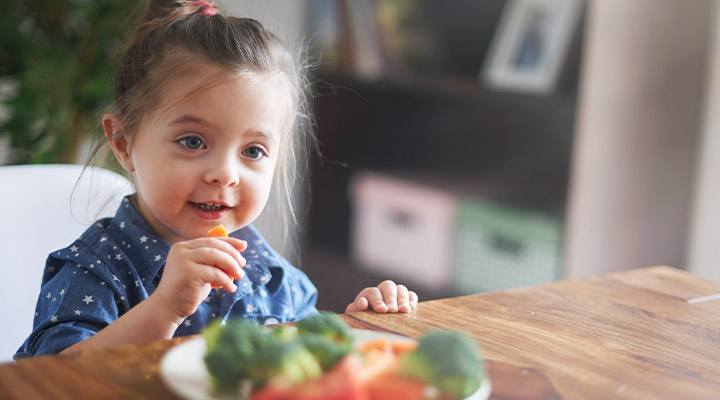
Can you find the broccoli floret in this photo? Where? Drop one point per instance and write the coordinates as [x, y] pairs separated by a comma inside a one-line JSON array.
[[287, 361], [326, 324], [326, 351], [284, 333], [241, 352], [450, 361], [231, 350]]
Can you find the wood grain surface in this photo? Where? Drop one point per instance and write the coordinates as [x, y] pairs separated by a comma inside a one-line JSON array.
[[639, 334], [632, 334]]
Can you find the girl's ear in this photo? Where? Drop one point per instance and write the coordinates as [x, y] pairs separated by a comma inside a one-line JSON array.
[[112, 125]]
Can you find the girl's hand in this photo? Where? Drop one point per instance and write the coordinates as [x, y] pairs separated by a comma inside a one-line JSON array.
[[386, 297], [193, 266]]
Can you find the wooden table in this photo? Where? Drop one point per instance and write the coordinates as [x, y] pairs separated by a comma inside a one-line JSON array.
[[639, 334]]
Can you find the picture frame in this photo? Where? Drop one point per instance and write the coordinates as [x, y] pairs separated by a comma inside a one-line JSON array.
[[529, 46]]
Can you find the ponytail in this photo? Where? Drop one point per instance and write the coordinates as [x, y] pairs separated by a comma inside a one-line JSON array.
[[163, 8]]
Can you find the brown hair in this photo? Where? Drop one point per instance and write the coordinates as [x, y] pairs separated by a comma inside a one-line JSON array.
[[181, 28]]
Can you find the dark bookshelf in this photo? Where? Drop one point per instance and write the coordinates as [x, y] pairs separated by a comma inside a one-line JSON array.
[[437, 121]]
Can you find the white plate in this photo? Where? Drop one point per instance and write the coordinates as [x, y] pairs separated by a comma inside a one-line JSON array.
[[183, 368]]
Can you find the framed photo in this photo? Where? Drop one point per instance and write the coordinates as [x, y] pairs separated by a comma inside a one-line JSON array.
[[529, 47]]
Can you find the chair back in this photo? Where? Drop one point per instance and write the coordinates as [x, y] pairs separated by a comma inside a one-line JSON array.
[[43, 207]]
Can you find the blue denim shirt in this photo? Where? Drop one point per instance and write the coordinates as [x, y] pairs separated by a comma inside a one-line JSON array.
[[118, 262]]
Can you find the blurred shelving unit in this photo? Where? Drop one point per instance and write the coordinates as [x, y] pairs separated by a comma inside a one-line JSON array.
[[421, 113]]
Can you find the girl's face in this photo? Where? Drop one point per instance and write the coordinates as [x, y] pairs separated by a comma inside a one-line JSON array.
[[207, 154]]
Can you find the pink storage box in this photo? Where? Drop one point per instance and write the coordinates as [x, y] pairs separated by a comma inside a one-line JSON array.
[[403, 230]]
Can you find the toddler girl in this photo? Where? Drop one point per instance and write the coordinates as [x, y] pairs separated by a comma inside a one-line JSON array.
[[206, 116]]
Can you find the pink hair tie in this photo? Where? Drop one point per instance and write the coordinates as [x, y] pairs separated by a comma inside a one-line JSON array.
[[209, 9]]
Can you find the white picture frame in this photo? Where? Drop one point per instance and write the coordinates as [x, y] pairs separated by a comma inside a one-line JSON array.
[[529, 47]]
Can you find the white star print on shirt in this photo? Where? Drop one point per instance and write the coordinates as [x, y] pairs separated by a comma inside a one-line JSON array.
[[135, 265]]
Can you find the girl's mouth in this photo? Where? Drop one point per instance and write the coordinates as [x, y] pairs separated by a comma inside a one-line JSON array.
[[210, 211], [208, 206]]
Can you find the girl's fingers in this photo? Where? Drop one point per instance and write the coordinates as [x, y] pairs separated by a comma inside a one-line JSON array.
[[413, 299], [375, 299], [360, 304], [386, 297], [221, 242], [403, 299], [217, 278], [214, 257], [221, 255], [239, 245], [390, 295]]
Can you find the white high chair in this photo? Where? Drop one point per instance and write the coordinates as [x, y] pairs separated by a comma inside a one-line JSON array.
[[43, 208]]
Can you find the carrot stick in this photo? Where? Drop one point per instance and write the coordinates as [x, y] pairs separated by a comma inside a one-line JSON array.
[[218, 231]]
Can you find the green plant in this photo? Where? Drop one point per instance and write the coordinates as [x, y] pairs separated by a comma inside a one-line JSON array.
[[60, 56]]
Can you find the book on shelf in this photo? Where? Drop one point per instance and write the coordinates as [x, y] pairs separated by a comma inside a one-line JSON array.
[[346, 36], [366, 43]]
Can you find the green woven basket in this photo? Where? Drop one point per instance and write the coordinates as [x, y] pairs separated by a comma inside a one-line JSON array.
[[500, 247]]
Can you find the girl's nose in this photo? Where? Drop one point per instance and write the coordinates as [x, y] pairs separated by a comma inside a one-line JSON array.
[[224, 171]]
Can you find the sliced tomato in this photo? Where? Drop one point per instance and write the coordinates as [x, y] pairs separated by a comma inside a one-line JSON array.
[[350, 379], [392, 386], [271, 392], [340, 383]]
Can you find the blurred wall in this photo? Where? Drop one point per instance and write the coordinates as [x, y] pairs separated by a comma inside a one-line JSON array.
[[704, 252], [285, 18], [640, 113]]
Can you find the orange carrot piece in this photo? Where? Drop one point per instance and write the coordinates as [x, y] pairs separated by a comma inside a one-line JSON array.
[[218, 231], [383, 344], [402, 346]]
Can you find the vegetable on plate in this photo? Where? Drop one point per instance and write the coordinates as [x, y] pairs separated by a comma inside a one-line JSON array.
[[318, 359]]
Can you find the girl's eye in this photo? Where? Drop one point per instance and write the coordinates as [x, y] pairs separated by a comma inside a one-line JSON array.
[[254, 152], [192, 143]]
